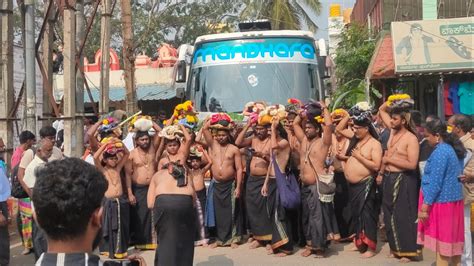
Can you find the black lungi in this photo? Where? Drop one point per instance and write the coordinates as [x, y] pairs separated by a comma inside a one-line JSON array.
[[201, 231], [400, 208], [175, 227], [257, 209], [115, 228], [364, 214], [4, 237], [281, 227], [319, 220], [141, 220], [228, 214], [341, 206]]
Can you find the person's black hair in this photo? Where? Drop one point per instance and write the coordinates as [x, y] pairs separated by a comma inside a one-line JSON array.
[[66, 194], [230, 138], [432, 117], [463, 122], [417, 117], [47, 131], [282, 132], [440, 128], [405, 114], [316, 125], [140, 134], [167, 141], [25, 136]]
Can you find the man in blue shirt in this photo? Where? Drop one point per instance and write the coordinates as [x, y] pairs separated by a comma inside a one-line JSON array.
[[4, 236]]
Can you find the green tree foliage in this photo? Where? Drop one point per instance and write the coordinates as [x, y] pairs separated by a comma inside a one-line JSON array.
[[353, 56], [283, 14]]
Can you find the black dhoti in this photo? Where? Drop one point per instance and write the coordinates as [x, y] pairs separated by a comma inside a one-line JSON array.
[[341, 206], [115, 228], [364, 214], [281, 226], [175, 227], [141, 220], [319, 220], [4, 237], [228, 213], [257, 209], [400, 208], [201, 231]]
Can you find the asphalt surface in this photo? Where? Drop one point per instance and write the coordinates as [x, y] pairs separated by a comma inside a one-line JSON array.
[[338, 254]]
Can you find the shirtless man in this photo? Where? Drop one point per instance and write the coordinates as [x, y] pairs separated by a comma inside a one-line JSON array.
[[171, 196], [227, 175], [176, 143], [116, 206], [314, 151], [365, 153], [140, 168], [259, 222], [280, 155], [398, 177]]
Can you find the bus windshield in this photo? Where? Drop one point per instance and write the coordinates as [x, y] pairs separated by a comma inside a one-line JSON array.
[[220, 85]]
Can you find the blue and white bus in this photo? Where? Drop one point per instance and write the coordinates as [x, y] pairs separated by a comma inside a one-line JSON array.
[[230, 69]]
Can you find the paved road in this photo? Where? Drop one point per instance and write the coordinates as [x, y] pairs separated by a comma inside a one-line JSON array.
[[338, 255]]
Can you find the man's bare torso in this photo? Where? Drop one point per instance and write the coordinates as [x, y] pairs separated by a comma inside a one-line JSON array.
[[258, 166], [312, 152], [355, 171], [223, 158], [143, 165]]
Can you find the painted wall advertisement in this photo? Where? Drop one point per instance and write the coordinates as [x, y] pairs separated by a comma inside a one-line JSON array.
[[433, 45]]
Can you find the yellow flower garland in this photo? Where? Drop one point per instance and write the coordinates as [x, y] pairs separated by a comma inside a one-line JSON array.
[[397, 97]]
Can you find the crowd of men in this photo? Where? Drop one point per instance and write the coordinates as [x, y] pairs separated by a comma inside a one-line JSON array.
[[176, 184]]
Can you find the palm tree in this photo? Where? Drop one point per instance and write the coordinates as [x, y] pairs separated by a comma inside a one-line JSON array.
[[283, 14]]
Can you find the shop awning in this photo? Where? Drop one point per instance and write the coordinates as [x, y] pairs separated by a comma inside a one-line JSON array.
[[144, 93], [382, 64]]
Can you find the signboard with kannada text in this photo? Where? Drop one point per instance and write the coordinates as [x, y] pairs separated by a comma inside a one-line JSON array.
[[441, 45]]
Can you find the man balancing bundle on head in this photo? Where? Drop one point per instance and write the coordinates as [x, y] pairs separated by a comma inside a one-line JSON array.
[[110, 160], [227, 180], [317, 193], [171, 196], [399, 178], [365, 156], [266, 226], [140, 168]]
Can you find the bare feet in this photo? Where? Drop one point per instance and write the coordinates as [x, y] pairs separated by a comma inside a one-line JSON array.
[[367, 254], [268, 247], [337, 237], [319, 254], [306, 253], [390, 256], [269, 251], [353, 248], [255, 244], [205, 245], [250, 240], [404, 260], [26, 251], [281, 254], [213, 245], [234, 245]]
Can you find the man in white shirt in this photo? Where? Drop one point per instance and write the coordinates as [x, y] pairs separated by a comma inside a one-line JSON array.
[[44, 151]]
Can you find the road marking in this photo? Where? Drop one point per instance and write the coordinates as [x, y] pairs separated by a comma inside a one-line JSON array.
[[16, 245]]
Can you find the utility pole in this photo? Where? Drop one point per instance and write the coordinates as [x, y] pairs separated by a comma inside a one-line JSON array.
[[47, 59], [105, 58], [30, 65], [6, 74], [80, 34], [128, 58], [70, 143]]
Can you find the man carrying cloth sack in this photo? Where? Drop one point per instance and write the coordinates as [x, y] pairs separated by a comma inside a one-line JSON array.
[[317, 193]]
